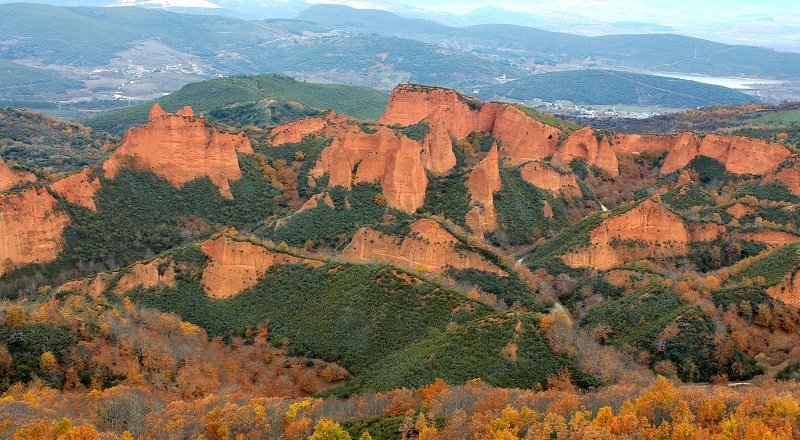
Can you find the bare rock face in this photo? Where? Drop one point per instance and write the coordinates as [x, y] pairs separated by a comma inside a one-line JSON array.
[[235, 266], [449, 114], [294, 132], [739, 210], [483, 182], [180, 149], [788, 173], [393, 160], [768, 237], [79, 188], [92, 286], [316, 199], [523, 138], [788, 290], [10, 178], [740, 155], [637, 144], [650, 230], [155, 273], [549, 179], [583, 144], [428, 247], [31, 224]]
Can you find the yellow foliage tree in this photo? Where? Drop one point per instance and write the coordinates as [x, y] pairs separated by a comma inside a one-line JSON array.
[[327, 429]]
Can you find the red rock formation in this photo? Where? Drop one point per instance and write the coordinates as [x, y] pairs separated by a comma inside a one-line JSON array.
[[664, 233], [523, 138], [180, 149], [384, 156], [739, 210], [770, 238], [739, 155], [10, 178], [159, 272], [584, 144], [449, 114], [79, 188], [549, 179], [788, 173], [428, 246], [294, 132], [315, 200], [640, 143], [31, 224], [788, 290], [483, 182], [235, 266], [92, 286]]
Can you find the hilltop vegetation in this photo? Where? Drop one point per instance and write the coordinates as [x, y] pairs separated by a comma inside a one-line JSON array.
[[36, 141], [217, 96], [599, 87]]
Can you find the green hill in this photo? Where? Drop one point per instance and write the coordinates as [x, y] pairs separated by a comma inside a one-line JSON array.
[[21, 82], [600, 87], [208, 96]]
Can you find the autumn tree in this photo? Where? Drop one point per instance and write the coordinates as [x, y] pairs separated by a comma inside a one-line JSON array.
[[327, 429]]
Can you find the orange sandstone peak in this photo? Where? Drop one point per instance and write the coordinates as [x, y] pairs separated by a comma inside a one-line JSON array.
[[449, 114], [583, 144], [549, 179], [665, 233], [79, 188], [31, 224], [428, 247], [180, 149], [483, 182], [186, 112], [155, 273], [738, 154], [10, 178], [787, 172], [235, 266], [384, 156], [156, 112]]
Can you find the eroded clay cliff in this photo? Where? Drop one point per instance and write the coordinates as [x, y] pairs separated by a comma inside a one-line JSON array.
[[483, 182], [31, 223], [180, 148], [648, 230], [10, 178], [79, 188], [235, 266], [585, 144], [428, 247], [554, 181]]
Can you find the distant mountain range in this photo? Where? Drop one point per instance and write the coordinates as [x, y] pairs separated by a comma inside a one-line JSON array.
[[80, 53]]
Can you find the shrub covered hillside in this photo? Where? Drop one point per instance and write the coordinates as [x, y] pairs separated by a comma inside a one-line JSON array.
[[454, 269]]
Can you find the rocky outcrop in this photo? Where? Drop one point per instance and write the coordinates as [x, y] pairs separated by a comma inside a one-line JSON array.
[[384, 156], [79, 188], [584, 144], [637, 144], [92, 286], [179, 149], [788, 290], [294, 132], [523, 138], [10, 178], [770, 238], [739, 155], [558, 183], [788, 173], [316, 199], [235, 266], [648, 230], [449, 114], [31, 224], [428, 247], [483, 182], [157, 273], [739, 210]]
